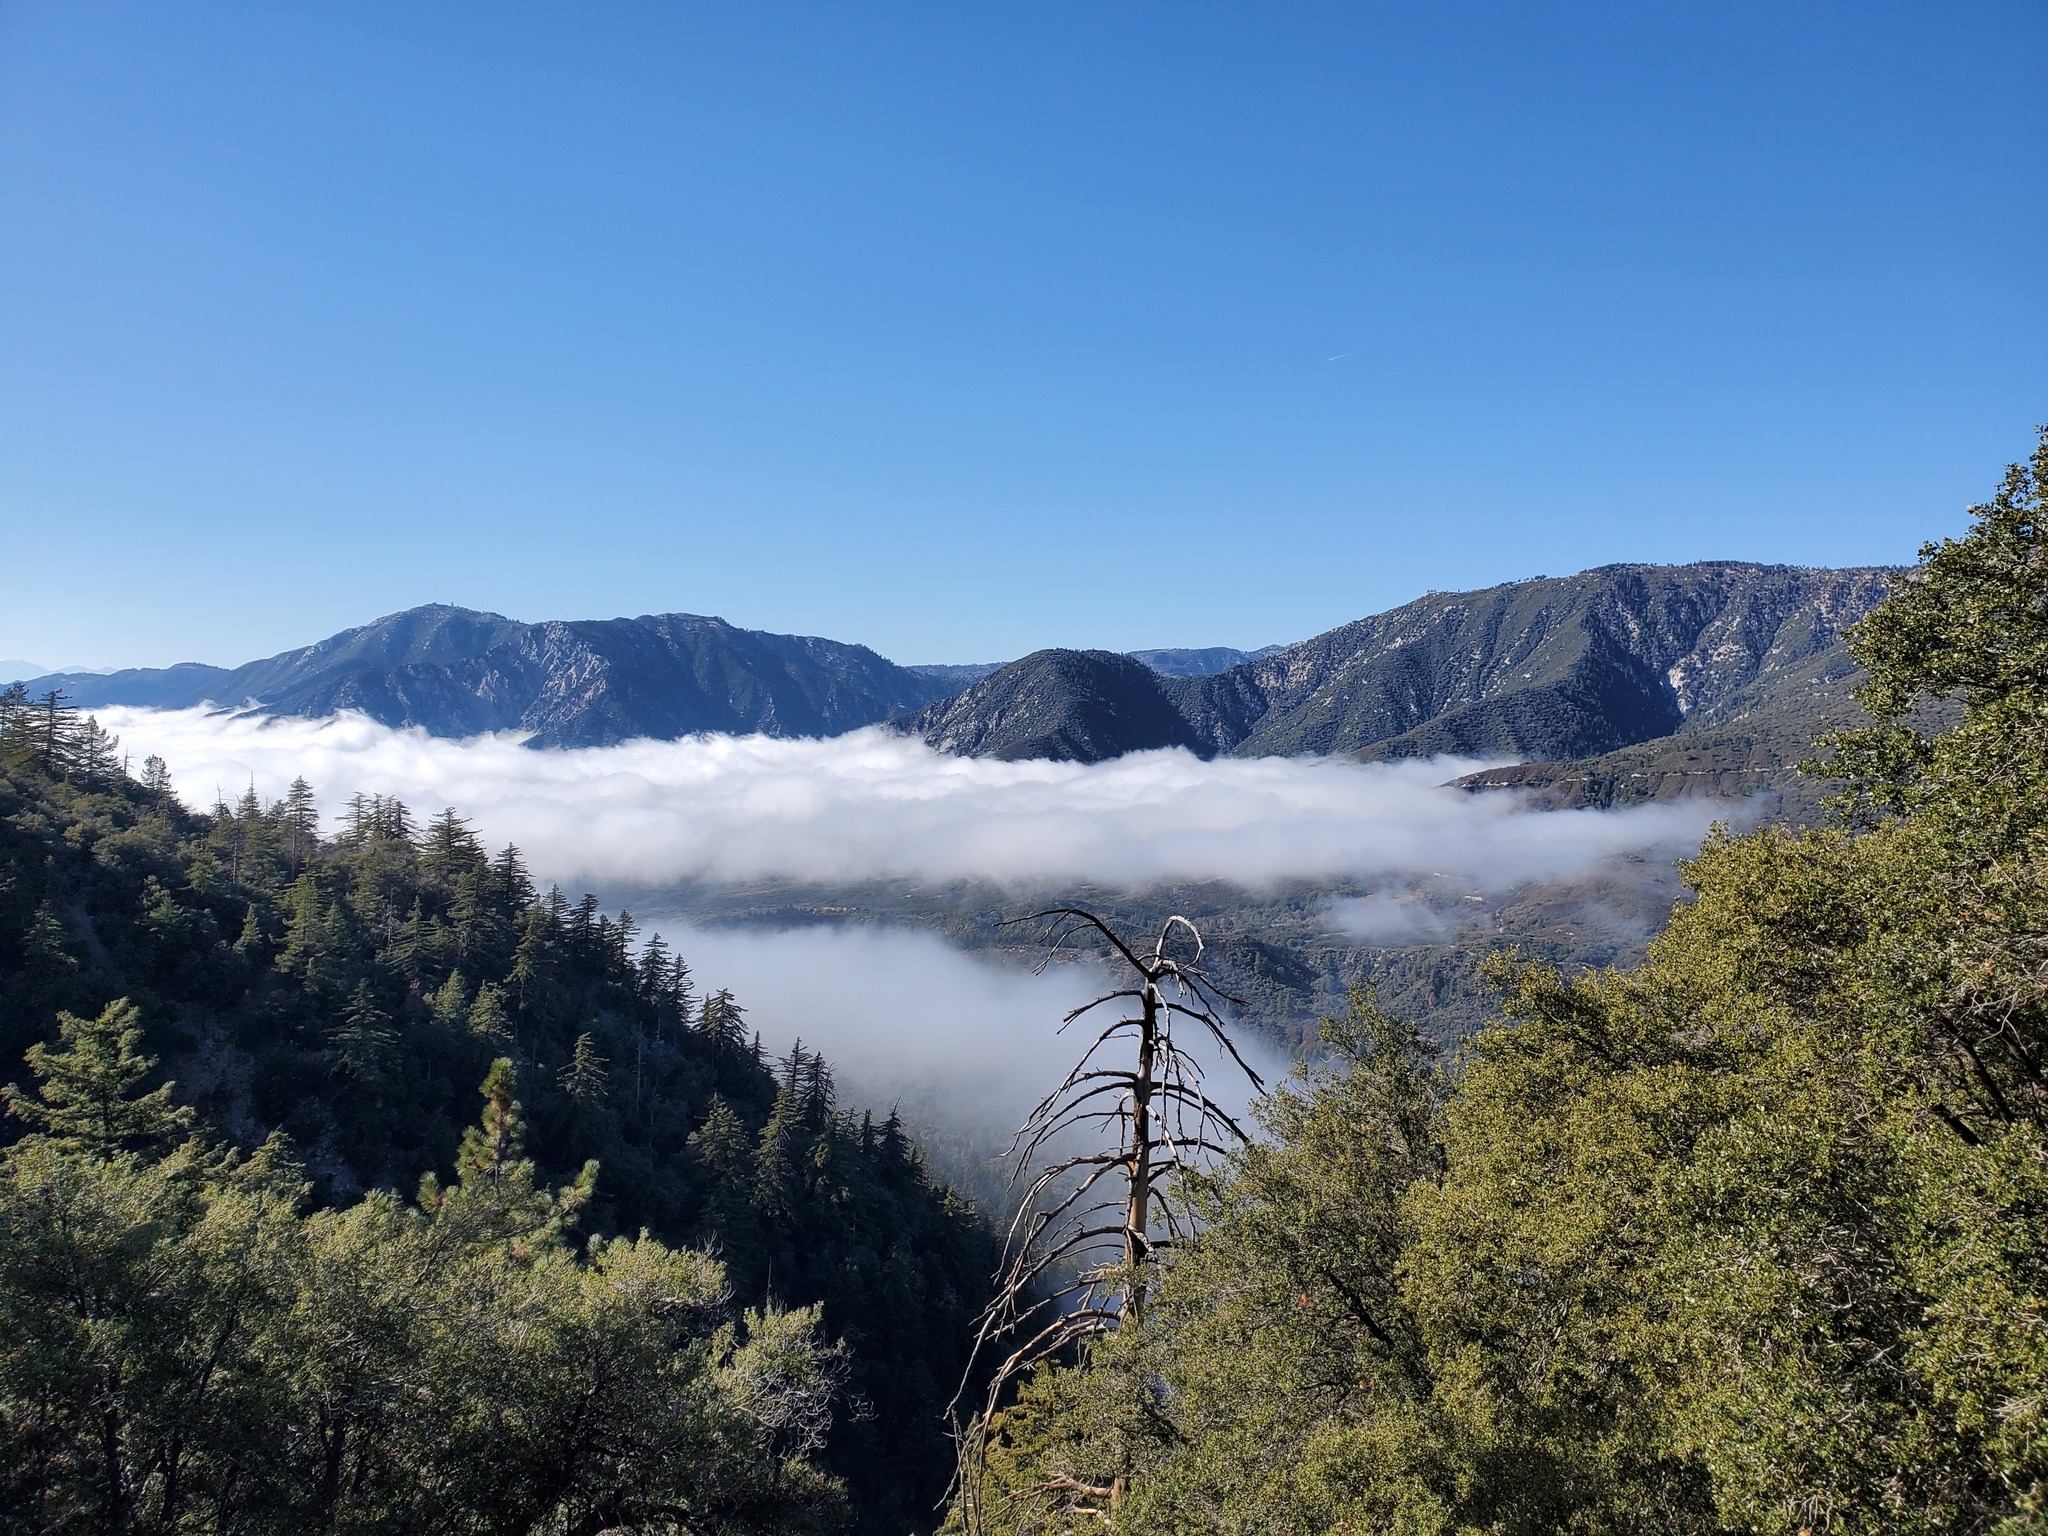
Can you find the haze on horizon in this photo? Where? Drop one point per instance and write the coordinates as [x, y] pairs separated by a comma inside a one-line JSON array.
[[961, 333]]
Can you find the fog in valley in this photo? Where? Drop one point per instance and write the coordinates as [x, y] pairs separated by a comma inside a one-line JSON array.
[[964, 1043]]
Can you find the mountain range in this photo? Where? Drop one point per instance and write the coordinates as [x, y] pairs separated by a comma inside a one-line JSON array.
[[456, 672], [1549, 670]]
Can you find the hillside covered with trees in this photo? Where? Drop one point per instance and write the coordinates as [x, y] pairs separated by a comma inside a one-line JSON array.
[[1752, 1237], [301, 1288]]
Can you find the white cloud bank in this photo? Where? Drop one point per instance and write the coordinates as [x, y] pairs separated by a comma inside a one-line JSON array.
[[873, 805], [964, 1044]]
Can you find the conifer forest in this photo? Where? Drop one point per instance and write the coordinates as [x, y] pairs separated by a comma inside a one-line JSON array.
[[352, 1183], [463, 1199]]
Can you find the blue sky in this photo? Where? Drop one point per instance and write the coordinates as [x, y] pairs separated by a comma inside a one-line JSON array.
[[962, 330]]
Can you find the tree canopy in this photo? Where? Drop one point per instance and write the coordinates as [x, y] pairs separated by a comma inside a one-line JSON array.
[[349, 992], [1751, 1238]]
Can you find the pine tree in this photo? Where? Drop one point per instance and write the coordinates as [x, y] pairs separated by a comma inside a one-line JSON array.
[[725, 1153], [490, 1151], [533, 962], [251, 943], [468, 916], [86, 1098], [364, 1039], [449, 850], [654, 970], [361, 820], [417, 952], [95, 754], [721, 1019], [45, 949], [54, 727], [582, 926], [511, 886], [819, 1094], [584, 1078], [449, 1003], [488, 1016], [496, 1196], [301, 818], [779, 1161], [15, 726], [251, 839], [316, 937]]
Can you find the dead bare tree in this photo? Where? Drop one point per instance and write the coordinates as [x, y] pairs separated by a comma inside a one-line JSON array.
[[1091, 1223]]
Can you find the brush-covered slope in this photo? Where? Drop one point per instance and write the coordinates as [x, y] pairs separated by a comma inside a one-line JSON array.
[[1555, 667], [1070, 706], [1552, 668], [1206, 661], [457, 672], [1748, 743]]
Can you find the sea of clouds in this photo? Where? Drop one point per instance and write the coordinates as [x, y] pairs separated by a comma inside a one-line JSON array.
[[875, 805], [964, 1043]]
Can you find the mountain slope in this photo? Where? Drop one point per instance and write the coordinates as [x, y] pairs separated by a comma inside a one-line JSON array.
[[1550, 669], [1555, 667], [457, 672], [1207, 661], [1070, 706], [1563, 667], [283, 994], [953, 676], [1749, 742]]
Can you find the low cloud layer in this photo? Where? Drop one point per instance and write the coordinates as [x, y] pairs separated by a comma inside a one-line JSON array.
[[1382, 918], [871, 805], [964, 1044]]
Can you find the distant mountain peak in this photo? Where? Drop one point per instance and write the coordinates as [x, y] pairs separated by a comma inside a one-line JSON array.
[[456, 671]]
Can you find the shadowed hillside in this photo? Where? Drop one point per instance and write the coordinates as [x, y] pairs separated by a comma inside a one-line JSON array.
[[455, 672], [1554, 668]]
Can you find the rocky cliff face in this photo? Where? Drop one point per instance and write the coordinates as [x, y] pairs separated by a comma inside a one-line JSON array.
[[1552, 668], [455, 672]]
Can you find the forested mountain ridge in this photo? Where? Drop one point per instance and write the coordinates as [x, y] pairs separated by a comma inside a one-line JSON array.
[[352, 993], [1556, 667], [457, 672]]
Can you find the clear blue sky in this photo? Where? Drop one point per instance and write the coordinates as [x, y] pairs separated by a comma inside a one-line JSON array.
[[965, 329]]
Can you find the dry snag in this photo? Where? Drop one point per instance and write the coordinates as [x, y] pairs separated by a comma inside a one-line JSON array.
[[1091, 1222]]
